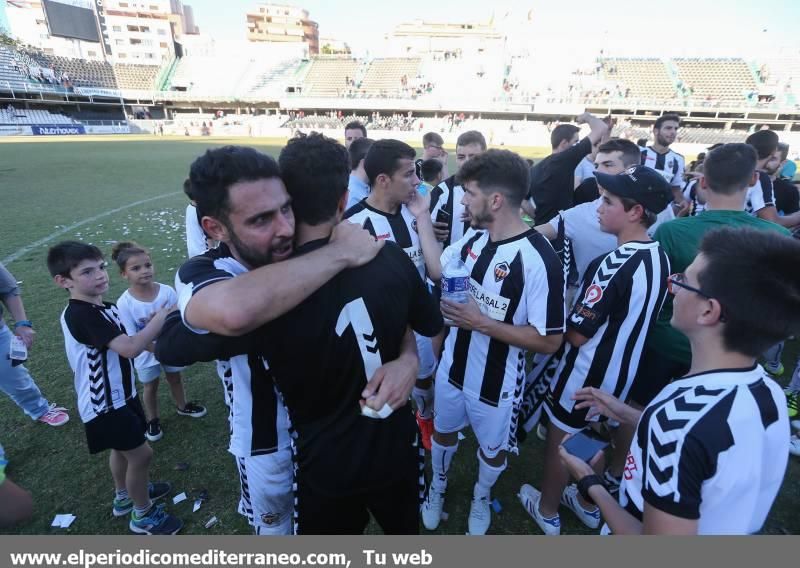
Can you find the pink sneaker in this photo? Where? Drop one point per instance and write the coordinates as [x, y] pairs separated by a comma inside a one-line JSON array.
[[55, 415]]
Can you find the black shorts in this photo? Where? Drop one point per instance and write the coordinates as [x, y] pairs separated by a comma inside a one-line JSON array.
[[395, 508], [656, 371], [119, 429]]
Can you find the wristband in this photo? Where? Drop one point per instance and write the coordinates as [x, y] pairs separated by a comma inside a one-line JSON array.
[[23, 323], [585, 483]]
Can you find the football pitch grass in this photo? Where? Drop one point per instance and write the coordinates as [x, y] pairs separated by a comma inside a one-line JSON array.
[[101, 190]]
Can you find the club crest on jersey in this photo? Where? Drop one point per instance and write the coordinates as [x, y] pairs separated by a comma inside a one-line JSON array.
[[501, 270], [270, 518], [593, 295], [414, 225]]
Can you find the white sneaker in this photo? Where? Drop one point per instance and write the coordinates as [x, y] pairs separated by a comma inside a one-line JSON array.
[[480, 516], [590, 518], [530, 498], [794, 446], [432, 509]]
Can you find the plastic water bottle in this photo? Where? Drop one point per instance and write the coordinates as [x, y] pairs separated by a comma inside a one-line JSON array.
[[455, 283]]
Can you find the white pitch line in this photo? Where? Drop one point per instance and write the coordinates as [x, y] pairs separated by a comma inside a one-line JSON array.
[[27, 248]]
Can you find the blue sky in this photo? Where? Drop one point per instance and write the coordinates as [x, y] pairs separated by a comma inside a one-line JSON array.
[[624, 27]]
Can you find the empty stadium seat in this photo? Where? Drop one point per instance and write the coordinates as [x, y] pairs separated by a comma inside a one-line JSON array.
[[134, 76], [723, 80], [328, 76]]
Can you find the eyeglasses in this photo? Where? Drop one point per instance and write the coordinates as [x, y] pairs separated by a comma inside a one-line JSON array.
[[679, 280]]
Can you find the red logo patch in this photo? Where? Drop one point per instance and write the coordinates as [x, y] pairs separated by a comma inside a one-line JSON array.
[[593, 295], [472, 255], [382, 237]]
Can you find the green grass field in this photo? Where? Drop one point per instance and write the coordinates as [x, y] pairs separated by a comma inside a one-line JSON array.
[[101, 190]]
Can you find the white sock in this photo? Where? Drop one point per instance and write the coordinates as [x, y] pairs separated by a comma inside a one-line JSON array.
[[423, 398], [441, 458], [487, 477]]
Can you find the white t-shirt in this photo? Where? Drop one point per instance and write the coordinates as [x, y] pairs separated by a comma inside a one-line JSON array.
[[582, 228], [135, 315], [585, 169], [196, 241]]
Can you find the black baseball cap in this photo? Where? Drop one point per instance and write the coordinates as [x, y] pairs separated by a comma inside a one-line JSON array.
[[640, 183]]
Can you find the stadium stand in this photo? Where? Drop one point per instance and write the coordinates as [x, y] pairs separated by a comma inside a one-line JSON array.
[[81, 73], [10, 73], [133, 76], [723, 80], [780, 77], [210, 75], [329, 76], [390, 77], [640, 78], [11, 115], [478, 78]]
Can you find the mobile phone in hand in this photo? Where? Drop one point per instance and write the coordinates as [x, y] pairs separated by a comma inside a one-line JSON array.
[[585, 444], [443, 216]]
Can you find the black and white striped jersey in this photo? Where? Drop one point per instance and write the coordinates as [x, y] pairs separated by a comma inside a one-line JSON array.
[[711, 447], [400, 228], [620, 299], [103, 378], [518, 281], [447, 197], [690, 193], [258, 420], [760, 195], [670, 164]]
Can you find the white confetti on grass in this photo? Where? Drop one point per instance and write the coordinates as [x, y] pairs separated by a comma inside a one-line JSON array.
[[69, 228]]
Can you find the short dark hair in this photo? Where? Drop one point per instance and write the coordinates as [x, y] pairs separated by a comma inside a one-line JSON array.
[[471, 137], [66, 255], [122, 252], [358, 151], [187, 189], [562, 132], [356, 125], [432, 137], [783, 147], [753, 275], [631, 153], [498, 170], [315, 171], [669, 117], [648, 218], [212, 174], [429, 169], [383, 156], [764, 141], [729, 168], [641, 142]]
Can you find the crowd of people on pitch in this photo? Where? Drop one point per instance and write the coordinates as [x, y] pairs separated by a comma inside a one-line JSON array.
[[366, 307]]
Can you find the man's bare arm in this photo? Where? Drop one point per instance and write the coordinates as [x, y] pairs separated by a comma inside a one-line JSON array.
[[239, 305]]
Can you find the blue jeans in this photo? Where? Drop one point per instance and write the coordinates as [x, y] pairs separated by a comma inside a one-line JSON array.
[[17, 382]]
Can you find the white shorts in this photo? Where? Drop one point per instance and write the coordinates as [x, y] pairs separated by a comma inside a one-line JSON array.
[[267, 499], [151, 373], [453, 411], [427, 359]]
